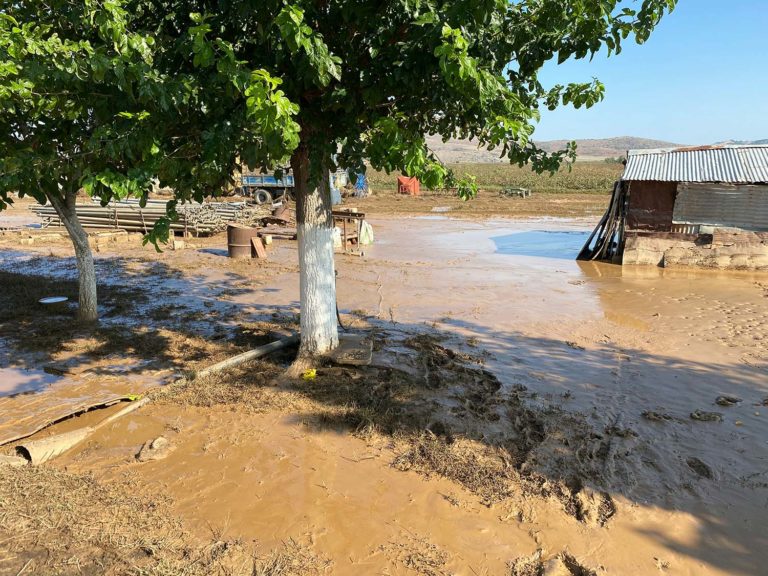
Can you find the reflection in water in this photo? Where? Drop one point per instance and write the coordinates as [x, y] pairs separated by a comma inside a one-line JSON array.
[[542, 243], [19, 381]]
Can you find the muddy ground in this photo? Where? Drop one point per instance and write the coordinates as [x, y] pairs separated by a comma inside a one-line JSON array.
[[488, 204], [523, 414]]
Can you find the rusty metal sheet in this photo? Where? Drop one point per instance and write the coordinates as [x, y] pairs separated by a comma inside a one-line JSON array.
[[734, 206], [22, 415], [650, 206]]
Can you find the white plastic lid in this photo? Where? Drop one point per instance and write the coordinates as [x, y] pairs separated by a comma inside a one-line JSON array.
[[53, 300]]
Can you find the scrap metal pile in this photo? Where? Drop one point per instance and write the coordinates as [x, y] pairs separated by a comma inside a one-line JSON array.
[[194, 219]]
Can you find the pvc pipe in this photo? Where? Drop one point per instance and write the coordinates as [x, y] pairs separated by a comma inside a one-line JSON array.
[[44, 449], [250, 355]]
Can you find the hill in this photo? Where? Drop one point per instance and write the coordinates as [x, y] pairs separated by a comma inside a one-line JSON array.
[[607, 147], [466, 151], [762, 142]]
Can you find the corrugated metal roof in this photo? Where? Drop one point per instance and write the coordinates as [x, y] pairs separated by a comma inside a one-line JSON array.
[[726, 163]]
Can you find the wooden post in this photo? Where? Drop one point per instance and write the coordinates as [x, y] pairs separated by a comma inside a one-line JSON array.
[[257, 248]]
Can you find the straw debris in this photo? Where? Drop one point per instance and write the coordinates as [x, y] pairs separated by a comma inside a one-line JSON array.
[[52, 522]]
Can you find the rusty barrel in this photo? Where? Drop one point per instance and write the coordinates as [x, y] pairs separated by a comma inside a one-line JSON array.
[[239, 240]]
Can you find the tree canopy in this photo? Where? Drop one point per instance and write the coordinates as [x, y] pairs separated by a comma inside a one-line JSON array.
[[88, 97], [113, 93], [72, 77], [108, 94], [370, 78]]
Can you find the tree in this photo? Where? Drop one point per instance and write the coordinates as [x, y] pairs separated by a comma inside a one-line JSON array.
[[84, 103], [367, 79], [72, 76], [332, 83]]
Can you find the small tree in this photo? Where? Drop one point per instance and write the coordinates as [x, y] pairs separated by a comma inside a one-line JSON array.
[[72, 77], [89, 99], [368, 79]]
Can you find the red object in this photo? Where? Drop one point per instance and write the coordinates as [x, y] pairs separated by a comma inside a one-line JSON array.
[[408, 186]]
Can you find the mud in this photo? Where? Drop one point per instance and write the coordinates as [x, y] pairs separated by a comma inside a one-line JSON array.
[[516, 403], [61, 523], [561, 565]]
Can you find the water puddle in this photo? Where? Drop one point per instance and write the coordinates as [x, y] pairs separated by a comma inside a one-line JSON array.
[[430, 217], [560, 244], [15, 381]]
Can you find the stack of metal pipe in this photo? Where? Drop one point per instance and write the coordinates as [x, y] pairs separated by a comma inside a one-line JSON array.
[[194, 219]]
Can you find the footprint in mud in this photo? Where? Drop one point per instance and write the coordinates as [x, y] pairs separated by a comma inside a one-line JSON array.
[[156, 449], [594, 507], [704, 416], [727, 400], [561, 565], [656, 416], [700, 467]]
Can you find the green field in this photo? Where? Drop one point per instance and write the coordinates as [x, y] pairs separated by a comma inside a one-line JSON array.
[[583, 177]]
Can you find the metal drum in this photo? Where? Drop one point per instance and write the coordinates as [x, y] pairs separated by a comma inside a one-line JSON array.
[[239, 240]]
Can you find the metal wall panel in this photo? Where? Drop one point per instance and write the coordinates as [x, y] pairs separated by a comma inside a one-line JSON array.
[[650, 205], [734, 206]]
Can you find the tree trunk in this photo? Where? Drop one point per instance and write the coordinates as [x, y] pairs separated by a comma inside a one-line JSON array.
[[317, 279], [87, 310]]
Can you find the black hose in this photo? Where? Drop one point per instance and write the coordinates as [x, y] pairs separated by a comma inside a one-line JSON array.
[[338, 316]]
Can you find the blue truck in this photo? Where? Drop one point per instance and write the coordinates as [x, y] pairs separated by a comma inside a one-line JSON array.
[[264, 188]]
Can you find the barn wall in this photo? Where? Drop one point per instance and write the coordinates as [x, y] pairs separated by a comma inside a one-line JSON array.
[[651, 205], [726, 205]]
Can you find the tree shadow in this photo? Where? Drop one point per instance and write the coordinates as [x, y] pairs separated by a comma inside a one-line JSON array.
[[152, 316], [510, 437]]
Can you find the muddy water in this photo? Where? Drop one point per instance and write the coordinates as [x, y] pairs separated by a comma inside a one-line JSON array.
[[607, 343], [24, 414], [15, 380], [268, 479], [455, 270]]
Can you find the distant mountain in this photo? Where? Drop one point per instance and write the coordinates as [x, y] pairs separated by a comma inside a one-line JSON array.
[[588, 149], [598, 149], [746, 142]]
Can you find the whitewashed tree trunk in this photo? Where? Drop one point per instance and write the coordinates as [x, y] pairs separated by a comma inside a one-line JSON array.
[[317, 281], [87, 310]]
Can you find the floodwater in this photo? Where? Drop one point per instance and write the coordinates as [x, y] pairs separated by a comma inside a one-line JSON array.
[[542, 243], [634, 352], [268, 479], [15, 380]]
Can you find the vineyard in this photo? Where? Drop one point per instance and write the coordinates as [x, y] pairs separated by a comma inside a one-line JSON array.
[[582, 177]]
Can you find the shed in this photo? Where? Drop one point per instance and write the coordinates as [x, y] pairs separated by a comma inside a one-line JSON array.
[[698, 206]]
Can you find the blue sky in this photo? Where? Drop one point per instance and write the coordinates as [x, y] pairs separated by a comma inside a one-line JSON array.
[[701, 78]]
